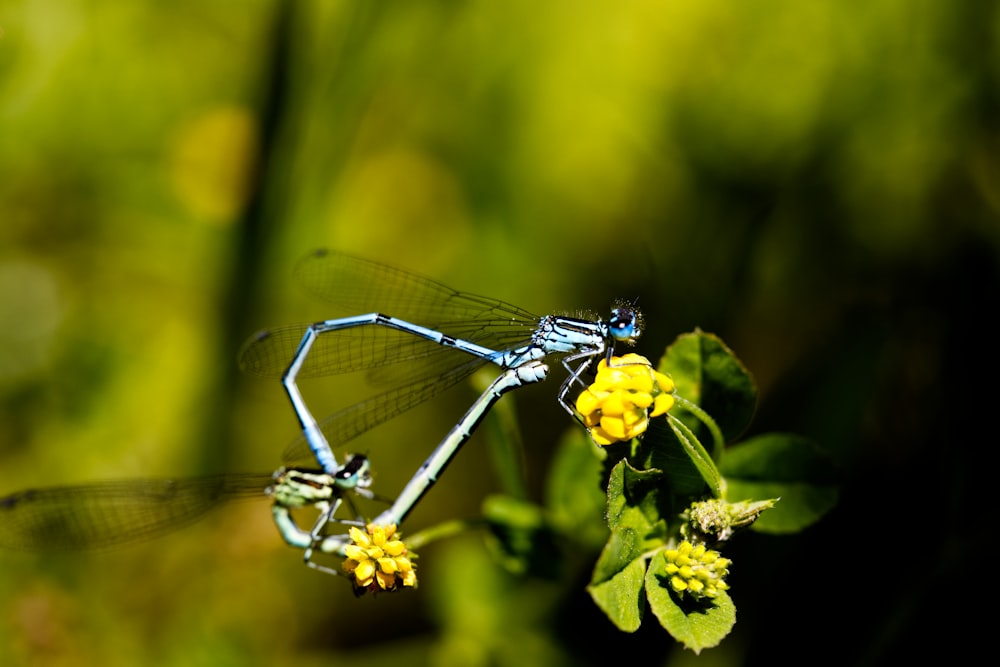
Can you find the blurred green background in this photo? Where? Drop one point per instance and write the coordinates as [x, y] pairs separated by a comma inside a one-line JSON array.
[[818, 183]]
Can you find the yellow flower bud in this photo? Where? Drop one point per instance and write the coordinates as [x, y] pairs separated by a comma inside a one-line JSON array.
[[376, 561], [696, 570]]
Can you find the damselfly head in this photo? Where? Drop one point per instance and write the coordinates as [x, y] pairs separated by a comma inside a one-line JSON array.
[[626, 322], [355, 473]]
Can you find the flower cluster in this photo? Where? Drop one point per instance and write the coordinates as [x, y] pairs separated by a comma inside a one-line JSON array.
[[695, 570], [377, 562], [624, 395]]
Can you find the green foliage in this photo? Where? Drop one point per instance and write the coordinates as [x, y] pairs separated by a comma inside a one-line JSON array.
[[618, 592], [696, 625], [522, 540], [786, 466], [826, 183], [665, 495], [710, 377], [574, 492]]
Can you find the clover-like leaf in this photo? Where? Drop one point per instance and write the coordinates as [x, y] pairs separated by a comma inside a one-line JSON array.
[[708, 374], [639, 500], [781, 465], [619, 576], [698, 624], [686, 466]]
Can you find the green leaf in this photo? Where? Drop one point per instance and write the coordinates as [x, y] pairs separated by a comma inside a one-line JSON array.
[[702, 461], [620, 594], [520, 536], [696, 624], [708, 374], [573, 493], [638, 500], [623, 547], [662, 449], [801, 504], [789, 467]]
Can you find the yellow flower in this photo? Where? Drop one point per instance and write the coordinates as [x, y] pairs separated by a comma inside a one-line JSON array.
[[697, 571], [377, 562], [624, 395]]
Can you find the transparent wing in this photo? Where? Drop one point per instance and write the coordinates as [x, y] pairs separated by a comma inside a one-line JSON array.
[[93, 516], [362, 286], [350, 422], [268, 353], [416, 369]]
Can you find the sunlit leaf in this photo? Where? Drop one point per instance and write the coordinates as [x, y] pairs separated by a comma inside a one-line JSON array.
[[638, 500], [696, 624], [699, 457], [620, 594], [623, 547], [709, 375]]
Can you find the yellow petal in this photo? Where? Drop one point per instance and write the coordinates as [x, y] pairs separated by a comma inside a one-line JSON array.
[[395, 548], [364, 572], [613, 376], [601, 438], [387, 565], [665, 382], [602, 383], [355, 552], [643, 383], [634, 417], [641, 400], [614, 427], [359, 536], [662, 405], [634, 359], [613, 405], [386, 581], [378, 535], [637, 429], [587, 402]]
